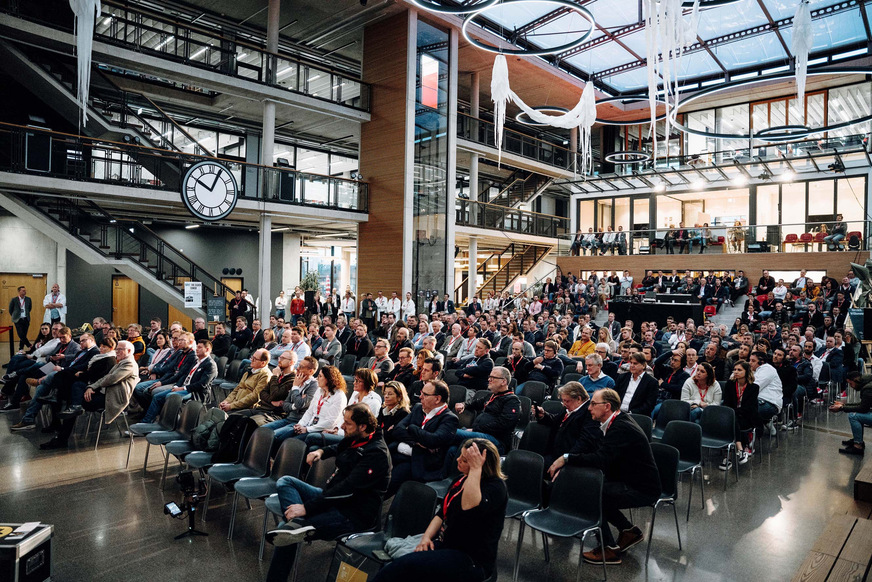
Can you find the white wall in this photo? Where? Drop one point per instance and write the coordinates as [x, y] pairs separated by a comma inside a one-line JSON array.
[[26, 250]]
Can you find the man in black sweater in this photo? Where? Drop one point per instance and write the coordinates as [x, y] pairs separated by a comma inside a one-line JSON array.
[[631, 476], [498, 413], [573, 431], [351, 501], [473, 371]]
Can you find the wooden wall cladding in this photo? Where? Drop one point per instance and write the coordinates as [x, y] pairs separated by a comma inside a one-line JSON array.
[[382, 155]]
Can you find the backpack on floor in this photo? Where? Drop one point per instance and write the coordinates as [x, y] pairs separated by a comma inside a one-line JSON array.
[[233, 437], [205, 436]]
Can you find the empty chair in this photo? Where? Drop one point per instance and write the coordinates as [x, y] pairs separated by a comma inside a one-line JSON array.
[[535, 391], [569, 376], [523, 470], [686, 437], [169, 416], [254, 463], [645, 423], [670, 410], [411, 511], [188, 421], [718, 424], [666, 458], [535, 438], [457, 394], [289, 460], [569, 514], [524, 419], [346, 364], [180, 449], [553, 407], [243, 354]]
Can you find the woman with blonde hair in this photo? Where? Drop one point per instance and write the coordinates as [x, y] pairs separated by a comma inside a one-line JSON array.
[[604, 336]]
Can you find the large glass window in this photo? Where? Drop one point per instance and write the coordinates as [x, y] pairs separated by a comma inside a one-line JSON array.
[[847, 103], [851, 193], [820, 201], [793, 215], [641, 220], [604, 213], [585, 214], [622, 213]]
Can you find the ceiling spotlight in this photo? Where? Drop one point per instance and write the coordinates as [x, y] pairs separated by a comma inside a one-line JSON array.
[[786, 176], [837, 167], [697, 185], [660, 187], [764, 176], [740, 181], [192, 226]]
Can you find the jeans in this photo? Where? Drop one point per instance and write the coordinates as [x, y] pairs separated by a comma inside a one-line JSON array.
[[34, 406], [798, 400], [141, 392], [293, 491], [18, 362], [283, 428], [320, 440], [280, 313], [434, 566], [833, 240], [858, 420], [696, 414], [767, 410], [157, 401]]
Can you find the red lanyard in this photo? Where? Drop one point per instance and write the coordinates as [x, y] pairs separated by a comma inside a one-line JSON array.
[[668, 380], [320, 404], [376, 363], [701, 393], [424, 422], [362, 443], [739, 393], [491, 399], [182, 360], [457, 488], [63, 348], [609, 425]]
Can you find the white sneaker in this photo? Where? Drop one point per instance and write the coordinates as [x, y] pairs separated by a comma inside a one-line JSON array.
[[286, 536], [725, 465], [743, 457]]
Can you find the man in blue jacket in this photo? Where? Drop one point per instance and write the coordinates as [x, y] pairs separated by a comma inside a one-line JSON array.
[[196, 383], [473, 371], [173, 374]]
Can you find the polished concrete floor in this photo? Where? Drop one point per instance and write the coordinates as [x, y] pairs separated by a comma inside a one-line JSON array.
[[110, 526]]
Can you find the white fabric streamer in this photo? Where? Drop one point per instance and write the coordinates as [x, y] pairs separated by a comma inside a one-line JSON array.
[[800, 45], [86, 12], [583, 115]]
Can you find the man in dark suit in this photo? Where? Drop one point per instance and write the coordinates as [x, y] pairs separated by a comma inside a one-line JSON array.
[[472, 372], [421, 440], [631, 477], [834, 356], [343, 332], [638, 391], [765, 284], [257, 340], [449, 304], [20, 308], [572, 431], [359, 346], [474, 306], [196, 383]]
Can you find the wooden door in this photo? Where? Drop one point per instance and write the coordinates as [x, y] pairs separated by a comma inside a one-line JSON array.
[[125, 301], [36, 290], [174, 314], [233, 284]]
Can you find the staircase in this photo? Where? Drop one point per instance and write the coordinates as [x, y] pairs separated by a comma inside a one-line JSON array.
[[131, 247], [501, 269], [521, 188]]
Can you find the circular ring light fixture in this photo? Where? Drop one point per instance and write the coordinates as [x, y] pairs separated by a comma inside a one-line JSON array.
[[774, 77], [784, 132], [440, 8], [522, 117], [627, 157], [626, 99], [703, 4], [565, 4]]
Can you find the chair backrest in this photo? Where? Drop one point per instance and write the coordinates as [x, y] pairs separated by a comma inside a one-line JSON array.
[[673, 410], [411, 510], [535, 391], [718, 422], [365, 362], [346, 364], [666, 458], [169, 414], [645, 423], [578, 491], [553, 407], [243, 354], [449, 376], [257, 451], [524, 419], [535, 439], [570, 377], [819, 237], [524, 470], [482, 394], [190, 417], [457, 395], [289, 459], [466, 418], [806, 237], [791, 238], [233, 371], [221, 364], [499, 361], [686, 437], [513, 384], [232, 352], [320, 472]]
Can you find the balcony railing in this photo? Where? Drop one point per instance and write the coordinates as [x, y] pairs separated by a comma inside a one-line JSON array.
[[481, 131], [153, 33], [35, 151], [492, 216], [757, 238]]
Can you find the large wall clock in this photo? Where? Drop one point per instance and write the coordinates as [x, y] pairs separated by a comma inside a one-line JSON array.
[[209, 190]]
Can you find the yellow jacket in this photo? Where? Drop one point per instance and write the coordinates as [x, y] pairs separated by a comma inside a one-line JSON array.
[[580, 350], [247, 392]]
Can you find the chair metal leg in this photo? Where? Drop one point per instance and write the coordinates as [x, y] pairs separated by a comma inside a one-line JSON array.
[[677, 531], [233, 515], [736, 461], [580, 557], [702, 487], [690, 491], [130, 444], [650, 530], [602, 542], [266, 513], [248, 503], [163, 476], [518, 550], [99, 429], [145, 462], [88, 426], [545, 547], [208, 495]]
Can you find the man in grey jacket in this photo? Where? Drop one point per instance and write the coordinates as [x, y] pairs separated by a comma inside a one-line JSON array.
[[303, 390]]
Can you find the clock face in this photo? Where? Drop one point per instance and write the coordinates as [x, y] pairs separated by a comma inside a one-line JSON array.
[[209, 191]]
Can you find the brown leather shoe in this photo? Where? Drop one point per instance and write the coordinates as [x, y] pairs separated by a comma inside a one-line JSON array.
[[629, 538], [595, 557], [32, 381]]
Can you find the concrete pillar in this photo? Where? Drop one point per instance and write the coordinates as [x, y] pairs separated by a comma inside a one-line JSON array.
[[290, 262], [473, 267], [573, 147], [345, 272], [451, 194], [61, 271], [474, 93]]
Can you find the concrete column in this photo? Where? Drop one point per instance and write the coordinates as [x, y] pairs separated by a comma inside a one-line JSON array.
[[474, 94], [451, 194], [61, 272], [290, 262], [264, 267], [345, 273], [473, 267], [573, 147]]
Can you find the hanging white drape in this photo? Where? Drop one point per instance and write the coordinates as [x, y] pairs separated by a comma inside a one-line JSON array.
[[582, 116], [667, 35], [800, 45], [86, 12]]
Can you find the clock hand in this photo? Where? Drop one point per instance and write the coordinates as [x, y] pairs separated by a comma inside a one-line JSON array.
[[218, 175], [197, 180]]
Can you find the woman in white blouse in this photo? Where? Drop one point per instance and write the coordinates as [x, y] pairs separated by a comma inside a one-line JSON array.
[[701, 390], [408, 307], [365, 381], [325, 411]]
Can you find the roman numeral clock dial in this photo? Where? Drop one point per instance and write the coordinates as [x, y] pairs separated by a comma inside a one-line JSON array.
[[209, 191]]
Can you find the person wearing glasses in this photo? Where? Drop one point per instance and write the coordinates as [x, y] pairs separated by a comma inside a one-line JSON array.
[[473, 371], [573, 431], [547, 368], [631, 477], [421, 440], [247, 392], [497, 413]]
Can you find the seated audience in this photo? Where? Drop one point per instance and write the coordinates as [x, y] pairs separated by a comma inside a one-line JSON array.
[[573, 430], [741, 395], [497, 413], [701, 390]]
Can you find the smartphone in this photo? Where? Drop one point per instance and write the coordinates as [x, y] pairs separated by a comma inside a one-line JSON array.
[[172, 509], [382, 555]]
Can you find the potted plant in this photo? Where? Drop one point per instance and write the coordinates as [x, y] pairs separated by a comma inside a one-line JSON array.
[[309, 284]]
